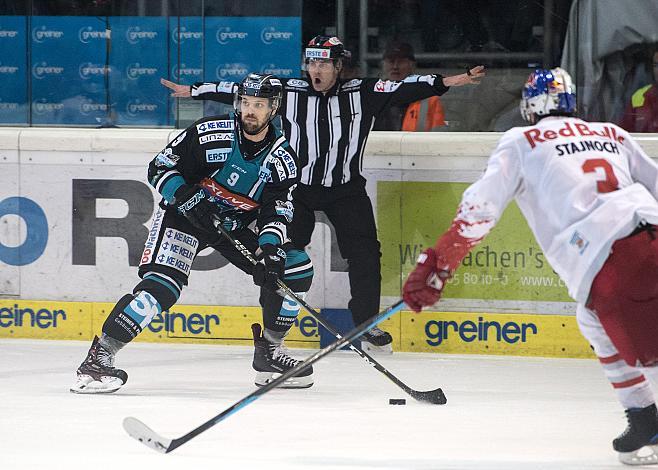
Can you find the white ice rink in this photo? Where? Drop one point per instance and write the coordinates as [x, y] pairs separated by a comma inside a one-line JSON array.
[[502, 412]]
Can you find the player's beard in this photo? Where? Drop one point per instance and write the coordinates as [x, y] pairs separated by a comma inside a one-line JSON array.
[[253, 125]]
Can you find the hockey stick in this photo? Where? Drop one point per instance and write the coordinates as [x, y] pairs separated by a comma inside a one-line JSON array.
[[140, 431], [436, 396]]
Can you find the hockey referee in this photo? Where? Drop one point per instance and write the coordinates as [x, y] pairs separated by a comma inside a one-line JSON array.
[[327, 122]]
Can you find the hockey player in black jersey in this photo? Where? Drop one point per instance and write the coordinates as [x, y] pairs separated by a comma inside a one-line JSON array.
[[327, 121], [233, 169]]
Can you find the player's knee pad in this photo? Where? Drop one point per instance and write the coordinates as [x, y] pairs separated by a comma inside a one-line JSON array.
[[131, 314], [165, 289], [298, 273]]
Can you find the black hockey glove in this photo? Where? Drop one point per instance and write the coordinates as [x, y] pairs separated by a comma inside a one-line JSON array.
[[266, 274], [192, 202]]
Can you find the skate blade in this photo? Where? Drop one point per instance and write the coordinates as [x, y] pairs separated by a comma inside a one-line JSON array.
[[370, 348], [263, 378], [87, 385], [647, 455]]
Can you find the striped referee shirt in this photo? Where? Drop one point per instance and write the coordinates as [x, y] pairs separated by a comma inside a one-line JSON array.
[[328, 131]]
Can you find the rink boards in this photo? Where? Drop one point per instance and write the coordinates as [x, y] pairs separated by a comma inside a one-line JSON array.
[[75, 209], [440, 332]]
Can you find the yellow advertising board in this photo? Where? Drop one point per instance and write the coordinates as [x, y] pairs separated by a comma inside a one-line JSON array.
[[486, 333], [436, 332], [182, 324]]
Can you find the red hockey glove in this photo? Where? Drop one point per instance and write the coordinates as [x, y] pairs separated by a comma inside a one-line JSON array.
[[425, 283]]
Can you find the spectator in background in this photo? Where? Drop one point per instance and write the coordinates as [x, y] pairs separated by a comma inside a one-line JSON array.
[[641, 115], [423, 115]]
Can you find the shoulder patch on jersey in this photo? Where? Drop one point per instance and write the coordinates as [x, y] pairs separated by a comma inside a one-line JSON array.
[[225, 87], [285, 209], [179, 139], [217, 155], [215, 137], [386, 86], [352, 83], [221, 125], [167, 158], [297, 83]]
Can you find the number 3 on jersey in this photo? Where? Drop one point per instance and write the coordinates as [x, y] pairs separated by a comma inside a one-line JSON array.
[[610, 183]]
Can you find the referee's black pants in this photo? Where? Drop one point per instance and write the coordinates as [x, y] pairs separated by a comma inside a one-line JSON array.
[[349, 210]]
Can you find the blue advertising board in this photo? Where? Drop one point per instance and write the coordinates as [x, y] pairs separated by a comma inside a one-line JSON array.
[[105, 71], [68, 65], [13, 70], [236, 46], [139, 58], [185, 52]]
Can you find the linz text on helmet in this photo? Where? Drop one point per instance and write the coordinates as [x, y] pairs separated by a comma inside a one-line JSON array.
[[535, 136]]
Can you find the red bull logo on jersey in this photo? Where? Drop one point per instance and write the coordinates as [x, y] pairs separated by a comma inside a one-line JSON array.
[[536, 136]]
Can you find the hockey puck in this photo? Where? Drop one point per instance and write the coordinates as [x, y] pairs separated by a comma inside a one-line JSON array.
[[397, 401]]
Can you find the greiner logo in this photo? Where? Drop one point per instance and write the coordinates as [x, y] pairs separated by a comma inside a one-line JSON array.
[[183, 71], [8, 69], [87, 33], [5, 33], [41, 34], [231, 70], [269, 34], [134, 34], [88, 70], [42, 318], [133, 108], [224, 35], [174, 322], [181, 35], [8, 106], [43, 107], [272, 69], [41, 70], [86, 108], [134, 71], [469, 331]]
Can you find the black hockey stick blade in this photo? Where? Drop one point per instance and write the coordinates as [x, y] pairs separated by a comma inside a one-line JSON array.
[[147, 436], [141, 432], [436, 397]]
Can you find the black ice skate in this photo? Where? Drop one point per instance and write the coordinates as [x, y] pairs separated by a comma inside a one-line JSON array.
[[377, 340], [640, 435], [272, 360], [97, 373]]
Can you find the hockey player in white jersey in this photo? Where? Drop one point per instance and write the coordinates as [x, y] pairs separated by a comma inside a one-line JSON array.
[[589, 194]]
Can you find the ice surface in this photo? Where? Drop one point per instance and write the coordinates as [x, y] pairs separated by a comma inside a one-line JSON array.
[[502, 412]]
